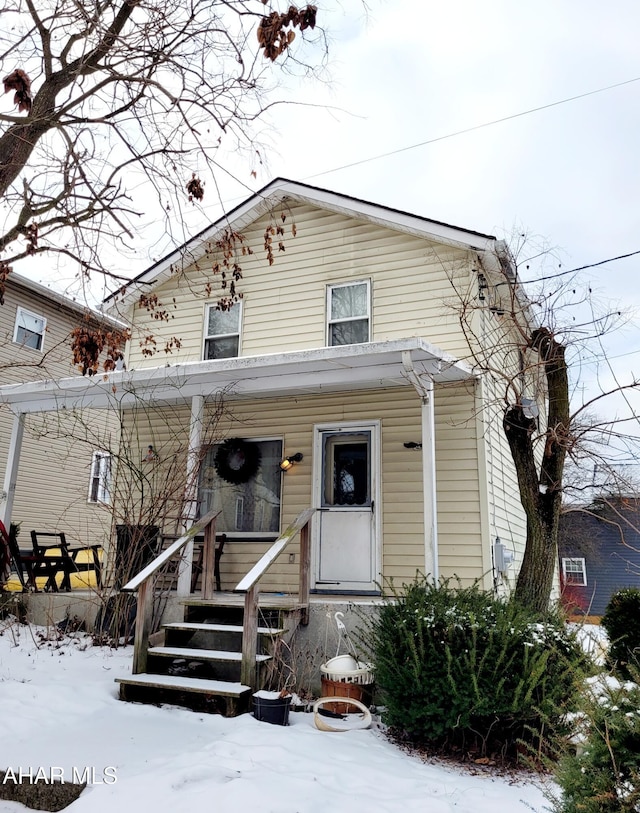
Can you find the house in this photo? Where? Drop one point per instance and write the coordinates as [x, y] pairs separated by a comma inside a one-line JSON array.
[[599, 550], [61, 484], [307, 351]]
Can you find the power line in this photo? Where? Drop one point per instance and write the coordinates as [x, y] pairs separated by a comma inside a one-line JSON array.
[[557, 274], [475, 127]]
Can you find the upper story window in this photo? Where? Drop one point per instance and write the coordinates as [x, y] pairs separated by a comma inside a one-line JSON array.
[[574, 571], [100, 481], [222, 332], [348, 313], [29, 329]]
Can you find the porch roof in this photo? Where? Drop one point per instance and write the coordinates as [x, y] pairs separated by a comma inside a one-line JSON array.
[[304, 372]]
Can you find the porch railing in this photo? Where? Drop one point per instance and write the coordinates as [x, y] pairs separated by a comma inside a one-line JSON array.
[[249, 586], [144, 583]]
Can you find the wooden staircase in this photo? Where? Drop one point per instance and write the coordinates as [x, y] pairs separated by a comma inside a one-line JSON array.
[[214, 659]]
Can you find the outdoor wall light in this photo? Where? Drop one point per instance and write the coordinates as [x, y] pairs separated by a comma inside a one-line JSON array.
[[412, 445], [288, 462]]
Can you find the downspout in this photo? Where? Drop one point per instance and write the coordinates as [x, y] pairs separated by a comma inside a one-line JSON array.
[[191, 491], [425, 393], [11, 472]]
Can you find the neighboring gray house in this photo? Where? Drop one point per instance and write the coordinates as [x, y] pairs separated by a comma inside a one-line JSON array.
[[599, 550]]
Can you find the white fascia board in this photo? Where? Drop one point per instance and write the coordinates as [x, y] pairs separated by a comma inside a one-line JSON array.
[[329, 369], [282, 190]]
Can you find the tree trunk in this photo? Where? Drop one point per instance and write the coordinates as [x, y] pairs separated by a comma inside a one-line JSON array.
[[535, 580], [541, 490]]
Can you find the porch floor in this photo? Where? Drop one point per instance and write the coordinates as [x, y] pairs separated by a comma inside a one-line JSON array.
[[276, 601]]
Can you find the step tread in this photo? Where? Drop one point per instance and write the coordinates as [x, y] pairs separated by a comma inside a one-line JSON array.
[[266, 601], [190, 653], [219, 687], [196, 627]]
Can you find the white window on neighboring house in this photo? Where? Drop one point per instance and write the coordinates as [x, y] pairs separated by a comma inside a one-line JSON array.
[[574, 571], [100, 483], [29, 329], [222, 332], [348, 313]]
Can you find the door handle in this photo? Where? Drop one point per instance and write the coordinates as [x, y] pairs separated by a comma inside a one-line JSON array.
[[372, 506]]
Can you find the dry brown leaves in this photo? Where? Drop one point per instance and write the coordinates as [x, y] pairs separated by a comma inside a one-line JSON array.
[[274, 34], [20, 82]]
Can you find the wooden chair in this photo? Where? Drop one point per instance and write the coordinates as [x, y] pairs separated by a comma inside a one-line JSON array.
[[196, 570], [52, 551]]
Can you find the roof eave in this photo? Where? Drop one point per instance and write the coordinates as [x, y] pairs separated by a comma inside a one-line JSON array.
[[312, 372]]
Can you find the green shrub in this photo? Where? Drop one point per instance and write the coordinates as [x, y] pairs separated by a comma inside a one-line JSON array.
[[460, 668], [604, 776], [621, 620]]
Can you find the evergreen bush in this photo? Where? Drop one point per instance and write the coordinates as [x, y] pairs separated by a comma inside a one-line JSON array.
[[604, 775], [460, 668], [621, 620]]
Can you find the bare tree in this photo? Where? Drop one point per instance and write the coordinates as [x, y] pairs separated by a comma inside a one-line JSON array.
[[530, 340], [113, 99]]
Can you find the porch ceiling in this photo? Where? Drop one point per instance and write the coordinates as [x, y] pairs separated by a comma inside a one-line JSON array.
[[306, 372]]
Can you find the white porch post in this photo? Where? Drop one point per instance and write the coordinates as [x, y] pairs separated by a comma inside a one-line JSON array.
[[429, 482], [423, 385], [191, 491], [11, 472]]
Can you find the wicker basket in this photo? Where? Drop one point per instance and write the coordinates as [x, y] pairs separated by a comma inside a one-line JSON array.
[[339, 688], [362, 674]]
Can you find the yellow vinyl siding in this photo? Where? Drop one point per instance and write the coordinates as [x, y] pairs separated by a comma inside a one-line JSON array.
[[402, 517], [53, 478], [284, 304], [458, 489], [53, 481]]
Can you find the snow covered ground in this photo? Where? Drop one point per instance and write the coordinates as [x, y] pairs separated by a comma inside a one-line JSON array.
[[59, 710]]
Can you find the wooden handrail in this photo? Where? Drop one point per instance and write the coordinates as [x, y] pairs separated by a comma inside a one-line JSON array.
[[144, 583], [249, 586], [163, 557], [267, 559]]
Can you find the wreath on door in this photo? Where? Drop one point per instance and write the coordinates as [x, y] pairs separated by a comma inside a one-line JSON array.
[[237, 460]]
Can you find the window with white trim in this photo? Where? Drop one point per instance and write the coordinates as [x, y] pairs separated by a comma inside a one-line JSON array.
[[574, 571], [348, 313], [100, 482], [29, 329], [222, 332], [249, 507]]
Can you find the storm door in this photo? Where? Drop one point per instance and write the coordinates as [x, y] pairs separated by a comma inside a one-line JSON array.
[[346, 552]]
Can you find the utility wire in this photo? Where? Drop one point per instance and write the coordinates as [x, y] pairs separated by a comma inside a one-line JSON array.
[[579, 268], [475, 127]]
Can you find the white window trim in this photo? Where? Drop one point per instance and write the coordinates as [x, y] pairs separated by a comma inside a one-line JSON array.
[[212, 306], [19, 311], [103, 496], [580, 559], [331, 321], [249, 536]]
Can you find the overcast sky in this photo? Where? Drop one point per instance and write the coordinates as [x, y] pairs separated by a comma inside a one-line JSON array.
[[417, 71], [413, 71]]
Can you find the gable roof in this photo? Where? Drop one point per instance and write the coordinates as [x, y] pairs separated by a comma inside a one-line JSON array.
[[56, 299], [285, 191]]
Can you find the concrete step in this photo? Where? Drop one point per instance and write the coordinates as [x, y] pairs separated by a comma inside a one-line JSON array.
[[191, 654]]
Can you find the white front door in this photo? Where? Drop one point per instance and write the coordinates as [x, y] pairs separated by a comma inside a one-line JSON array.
[[346, 550]]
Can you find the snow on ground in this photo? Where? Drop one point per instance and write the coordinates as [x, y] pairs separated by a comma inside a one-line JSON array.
[[59, 709]]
